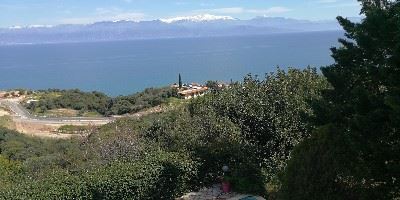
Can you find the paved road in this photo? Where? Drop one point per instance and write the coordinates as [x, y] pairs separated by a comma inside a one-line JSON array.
[[22, 114]]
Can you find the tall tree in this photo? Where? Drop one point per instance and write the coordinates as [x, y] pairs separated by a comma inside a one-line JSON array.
[[356, 150], [180, 81]]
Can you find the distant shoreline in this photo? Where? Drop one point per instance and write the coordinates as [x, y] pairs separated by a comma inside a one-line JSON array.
[[166, 38]]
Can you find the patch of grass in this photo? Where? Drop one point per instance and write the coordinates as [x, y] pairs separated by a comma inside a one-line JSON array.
[[61, 113], [174, 102], [6, 122], [91, 114]]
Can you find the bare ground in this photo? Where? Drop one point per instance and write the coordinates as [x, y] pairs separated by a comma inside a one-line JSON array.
[[41, 130], [3, 113]]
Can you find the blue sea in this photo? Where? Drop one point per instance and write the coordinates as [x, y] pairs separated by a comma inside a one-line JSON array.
[[125, 67]]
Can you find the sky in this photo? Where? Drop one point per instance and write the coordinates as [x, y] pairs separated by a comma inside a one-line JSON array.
[[53, 12]]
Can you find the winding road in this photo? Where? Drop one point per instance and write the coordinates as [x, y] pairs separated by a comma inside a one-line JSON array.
[[21, 114]]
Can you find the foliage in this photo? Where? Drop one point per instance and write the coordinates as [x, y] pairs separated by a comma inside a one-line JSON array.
[[6, 122], [98, 102], [36, 154], [150, 97], [74, 99], [180, 81], [160, 156], [251, 127], [208, 138], [159, 176], [214, 86], [314, 162], [8, 169], [272, 114], [359, 115]]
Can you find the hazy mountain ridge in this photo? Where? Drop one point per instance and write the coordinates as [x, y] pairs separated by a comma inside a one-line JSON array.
[[195, 26]]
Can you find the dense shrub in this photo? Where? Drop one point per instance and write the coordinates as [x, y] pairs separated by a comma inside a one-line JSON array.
[[313, 165], [150, 97], [272, 114], [211, 139], [251, 127], [99, 102], [159, 176], [73, 99], [8, 171]]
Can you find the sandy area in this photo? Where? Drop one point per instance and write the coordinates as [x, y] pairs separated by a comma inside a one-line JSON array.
[[3, 113], [41, 130]]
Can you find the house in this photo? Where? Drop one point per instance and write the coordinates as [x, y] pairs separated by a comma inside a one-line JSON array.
[[189, 91], [192, 92]]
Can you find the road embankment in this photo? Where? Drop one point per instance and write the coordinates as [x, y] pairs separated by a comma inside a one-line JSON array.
[[28, 124]]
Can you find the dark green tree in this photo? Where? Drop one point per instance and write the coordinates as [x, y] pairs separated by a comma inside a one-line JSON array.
[[213, 86], [180, 81], [354, 154]]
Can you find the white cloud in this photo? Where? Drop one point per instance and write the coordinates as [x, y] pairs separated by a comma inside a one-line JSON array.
[[241, 10]]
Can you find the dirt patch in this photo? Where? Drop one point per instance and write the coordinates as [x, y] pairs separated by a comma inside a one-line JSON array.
[[3, 113], [41, 130]]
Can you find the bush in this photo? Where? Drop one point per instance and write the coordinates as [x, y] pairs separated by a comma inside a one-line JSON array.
[[314, 168], [272, 115], [99, 102], [161, 175]]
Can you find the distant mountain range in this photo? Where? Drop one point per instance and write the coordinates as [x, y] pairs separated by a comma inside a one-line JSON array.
[[179, 27]]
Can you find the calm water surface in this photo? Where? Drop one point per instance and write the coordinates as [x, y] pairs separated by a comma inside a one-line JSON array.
[[125, 67]]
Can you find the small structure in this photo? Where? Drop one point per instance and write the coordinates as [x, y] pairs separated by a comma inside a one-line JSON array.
[[2, 94], [31, 101], [189, 91], [192, 92]]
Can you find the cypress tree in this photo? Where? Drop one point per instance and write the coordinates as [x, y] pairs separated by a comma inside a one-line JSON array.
[[180, 81]]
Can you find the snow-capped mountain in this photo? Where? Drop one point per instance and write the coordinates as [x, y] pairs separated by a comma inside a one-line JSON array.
[[197, 18], [177, 27]]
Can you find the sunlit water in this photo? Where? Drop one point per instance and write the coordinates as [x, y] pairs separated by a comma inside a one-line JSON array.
[[125, 67]]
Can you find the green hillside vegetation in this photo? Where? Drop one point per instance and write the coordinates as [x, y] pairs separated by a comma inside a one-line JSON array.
[[163, 155], [294, 134], [6, 121], [97, 103]]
